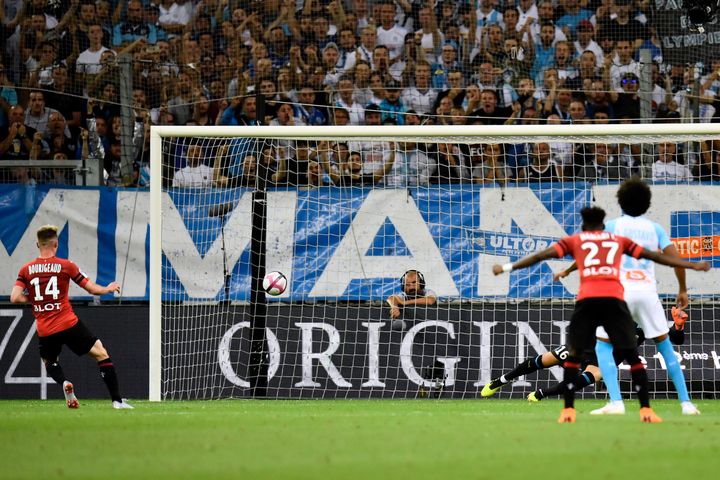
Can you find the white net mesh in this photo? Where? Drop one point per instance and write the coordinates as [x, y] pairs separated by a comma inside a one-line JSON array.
[[347, 216]]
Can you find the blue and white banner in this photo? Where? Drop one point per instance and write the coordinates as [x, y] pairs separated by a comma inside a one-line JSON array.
[[342, 244]]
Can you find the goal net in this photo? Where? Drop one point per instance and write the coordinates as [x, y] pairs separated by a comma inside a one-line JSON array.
[[359, 218]]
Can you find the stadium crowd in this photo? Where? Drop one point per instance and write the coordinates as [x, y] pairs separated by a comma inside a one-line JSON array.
[[365, 62]]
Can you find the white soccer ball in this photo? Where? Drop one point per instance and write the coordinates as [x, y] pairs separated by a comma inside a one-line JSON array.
[[274, 283]]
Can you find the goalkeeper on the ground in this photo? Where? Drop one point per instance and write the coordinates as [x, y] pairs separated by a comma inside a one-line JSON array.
[[591, 373]]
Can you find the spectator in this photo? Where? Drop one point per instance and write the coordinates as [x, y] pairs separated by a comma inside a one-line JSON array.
[[546, 15], [58, 136], [428, 38], [421, 97], [446, 63], [181, 104], [561, 152], [368, 41], [586, 73], [392, 107], [596, 163], [341, 117], [456, 89], [598, 99], [374, 154], [348, 57], [195, 174], [666, 168], [490, 168], [307, 108], [362, 93], [528, 13], [487, 15], [174, 16], [350, 173], [389, 33], [414, 164], [16, 138], [574, 14], [622, 26], [112, 163], [345, 101], [544, 51], [616, 66], [37, 114], [577, 112], [489, 113], [626, 102], [383, 65], [135, 27], [708, 167], [241, 111], [541, 167], [67, 102], [8, 96], [563, 64], [377, 86], [585, 42]]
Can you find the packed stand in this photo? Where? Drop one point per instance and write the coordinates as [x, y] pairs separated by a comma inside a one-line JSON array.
[[404, 62]]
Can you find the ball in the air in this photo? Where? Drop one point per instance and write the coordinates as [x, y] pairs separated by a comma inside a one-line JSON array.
[[274, 283]]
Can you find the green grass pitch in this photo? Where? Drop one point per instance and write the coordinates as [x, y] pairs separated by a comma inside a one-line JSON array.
[[353, 439]]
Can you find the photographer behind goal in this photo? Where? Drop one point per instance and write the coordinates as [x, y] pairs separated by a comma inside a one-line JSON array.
[[413, 294]]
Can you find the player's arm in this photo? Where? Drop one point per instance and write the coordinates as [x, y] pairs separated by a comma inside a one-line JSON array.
[[565, 272], [17, 295], [528, 261], [94, 289], [670, 261], [682, 296]]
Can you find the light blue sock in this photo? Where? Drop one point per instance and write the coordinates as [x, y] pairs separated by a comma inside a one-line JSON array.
[[606, 362], [673, 368]]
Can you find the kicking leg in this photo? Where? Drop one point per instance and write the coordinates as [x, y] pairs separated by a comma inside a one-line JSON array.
[[55, 371]]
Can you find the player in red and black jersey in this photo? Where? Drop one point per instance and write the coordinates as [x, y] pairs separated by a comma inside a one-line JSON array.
[[44, 283], [600, 301]]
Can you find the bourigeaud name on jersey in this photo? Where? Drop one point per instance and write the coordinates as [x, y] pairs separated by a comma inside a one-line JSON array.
[[44, 268]]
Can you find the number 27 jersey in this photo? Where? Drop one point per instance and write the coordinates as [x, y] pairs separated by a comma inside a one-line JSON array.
[[47, 281], [598, 256]]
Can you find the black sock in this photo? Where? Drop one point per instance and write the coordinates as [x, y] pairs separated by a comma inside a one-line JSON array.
[[55, 371], [677, 337], [585, 379], [570, 381], [107, 372], [639, 377], [528, 366], [640, 383]]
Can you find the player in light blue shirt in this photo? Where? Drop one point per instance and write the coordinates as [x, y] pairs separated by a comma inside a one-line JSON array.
[[638, 279]]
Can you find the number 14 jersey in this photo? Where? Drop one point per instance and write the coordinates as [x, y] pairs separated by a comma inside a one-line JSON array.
[[47, 281], [598, 257]]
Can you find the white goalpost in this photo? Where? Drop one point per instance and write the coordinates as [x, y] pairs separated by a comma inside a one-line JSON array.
[[345, 212]]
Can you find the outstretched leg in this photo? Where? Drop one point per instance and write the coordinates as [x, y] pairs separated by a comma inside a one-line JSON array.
[[539, 362]]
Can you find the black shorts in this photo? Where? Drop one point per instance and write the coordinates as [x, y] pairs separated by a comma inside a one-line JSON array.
[[78, 339], [562, 352], [610, 313]]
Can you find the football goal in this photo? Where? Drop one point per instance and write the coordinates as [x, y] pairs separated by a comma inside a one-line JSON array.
[[386, 236]]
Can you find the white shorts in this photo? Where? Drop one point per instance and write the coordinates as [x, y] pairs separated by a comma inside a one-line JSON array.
[[647, 311]]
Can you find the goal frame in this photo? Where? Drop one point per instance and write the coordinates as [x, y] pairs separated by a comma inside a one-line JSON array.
[[585, 133]]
